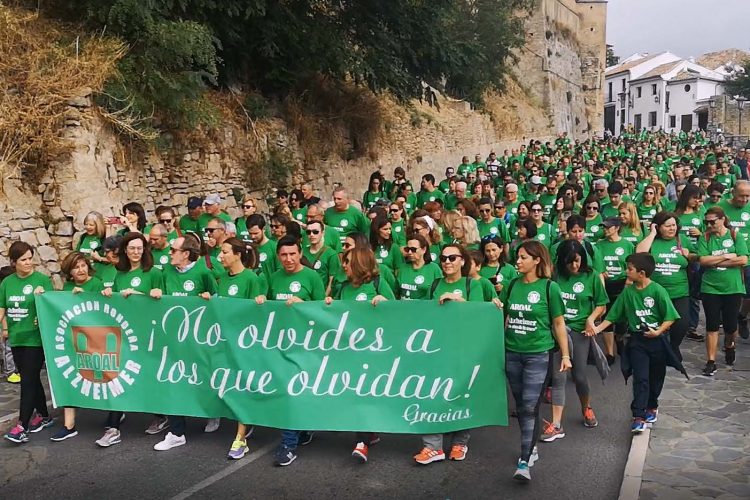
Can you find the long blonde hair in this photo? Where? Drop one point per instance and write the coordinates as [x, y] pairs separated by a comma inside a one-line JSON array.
[[635, 220]]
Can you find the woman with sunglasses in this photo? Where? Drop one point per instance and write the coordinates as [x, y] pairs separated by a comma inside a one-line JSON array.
[[374, 191], [592, 212], [416, 275], [534, 323], [544, 232], [323, 259], [359, 240], [429, 230], [136, 275], [585, 301], [715, 195], [297, 206], [631, 229], [649, 205], [723, 255], [456, 285], [397, 215], [249, 207]]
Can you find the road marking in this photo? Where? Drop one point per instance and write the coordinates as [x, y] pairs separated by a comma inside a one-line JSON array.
[[225, 472], [631, 481]]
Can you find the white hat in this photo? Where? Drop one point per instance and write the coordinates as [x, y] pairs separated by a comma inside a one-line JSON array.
[[212, 199]]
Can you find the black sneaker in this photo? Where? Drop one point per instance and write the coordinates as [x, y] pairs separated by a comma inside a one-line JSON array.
[[305, 437], [710, 369], [695, 337], [284, 456], [610, 359], [729, 355], [744, 328]]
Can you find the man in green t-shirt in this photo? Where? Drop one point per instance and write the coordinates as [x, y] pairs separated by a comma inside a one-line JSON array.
[[266, 247], [212, 206], [646, 307], [429, 192], [190, 222], [292, 283], [345, 218], [157, 238], [216, 234]]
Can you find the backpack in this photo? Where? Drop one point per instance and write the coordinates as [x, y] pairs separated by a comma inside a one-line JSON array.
[[437, 281]]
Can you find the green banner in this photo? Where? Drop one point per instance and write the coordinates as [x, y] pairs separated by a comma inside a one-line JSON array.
[[406, 367]]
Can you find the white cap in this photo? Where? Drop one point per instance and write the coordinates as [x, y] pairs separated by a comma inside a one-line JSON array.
[[212, 199]]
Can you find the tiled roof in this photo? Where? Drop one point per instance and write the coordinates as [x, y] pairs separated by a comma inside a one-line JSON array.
[[629, 65], [660, 70], [713, 60]]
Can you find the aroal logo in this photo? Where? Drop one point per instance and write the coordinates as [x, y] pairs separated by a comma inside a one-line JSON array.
[[696, 222], [619, 251], [262, 256], [493, 230], [542, 237], [135, 281], [317, 264], [433, 256], [397, 229], [499, 278], [384, 253], [295, 286], [94, 245], [419, 280], [361, 297], [164, 259], [578, 287], [745, 216], [188, 286], [652, 211], [648, 302], [96, 346], [726, 243], [344, 223], [533, 297], [458, 292], [28, 289], [594, 229], [233, 289]]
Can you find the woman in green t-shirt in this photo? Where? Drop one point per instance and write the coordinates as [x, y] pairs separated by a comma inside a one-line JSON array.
[[585, 301], [91, 242], [650, 204], [397, 215], [672, 255], [374, 191], [495, 267], [723, 254], [18, 308], [592, 211], [465, 232], [381, 240], [415, 277], [533, 323], [689, 211], [631, 229]]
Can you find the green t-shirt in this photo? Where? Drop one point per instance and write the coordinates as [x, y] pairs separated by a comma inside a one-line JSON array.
[[496, 227], [398, 233], [92, 285], [671, 266], [347, 222], [414, 284], [646, 214], [269, 262], [627, 234], [161, 257], [18, 299], [650, 306], [488, 289], [722, 280], [369, 199], [614, 254], [391, 258], [502, 275], [739, 218], [190, 283], [593, 254], [139, 280], [326, 263], [459, 288], [244, 285], [425, 197], [608, 210], [305, 284], [581, 293], [545, 235], [529, 315], [106, 273], [89, 244], [689, 221], [187, 223], [366, 291], [594, 230]]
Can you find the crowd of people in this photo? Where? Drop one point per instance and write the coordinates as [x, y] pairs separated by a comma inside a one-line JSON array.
[[622, 238]]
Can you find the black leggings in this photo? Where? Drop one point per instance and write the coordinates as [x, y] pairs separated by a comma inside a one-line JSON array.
[[720, 310], [29, 362], [679, 328]]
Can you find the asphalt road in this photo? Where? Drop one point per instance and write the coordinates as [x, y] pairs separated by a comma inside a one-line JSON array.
[[587, 463]]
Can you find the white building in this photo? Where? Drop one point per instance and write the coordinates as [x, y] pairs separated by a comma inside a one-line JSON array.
[[661, 91]]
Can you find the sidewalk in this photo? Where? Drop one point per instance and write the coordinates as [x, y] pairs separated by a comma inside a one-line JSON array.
[[700, 447], [10, 398]]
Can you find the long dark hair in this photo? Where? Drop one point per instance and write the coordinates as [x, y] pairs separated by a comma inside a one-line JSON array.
[[246, 251], [147, 260], [687, 194], [137, 209], [375, 239], [566, 255], [497, 241], [423, 244]]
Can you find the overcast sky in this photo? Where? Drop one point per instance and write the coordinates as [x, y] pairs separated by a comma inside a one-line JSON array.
[[684, 27]]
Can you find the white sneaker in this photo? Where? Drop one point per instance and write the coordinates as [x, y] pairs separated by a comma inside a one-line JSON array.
[[212, 425], [110, 437], [534, 456], [170, 441]]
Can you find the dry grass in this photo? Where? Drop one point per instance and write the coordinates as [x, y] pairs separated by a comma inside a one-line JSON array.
[[515, 113], [42, 67]]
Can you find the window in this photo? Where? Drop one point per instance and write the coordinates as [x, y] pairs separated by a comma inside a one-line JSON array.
[[652, 119], [687, 88], [623, 85], [653, 89], [638, 121], [639, 91], [609, 93], [672, 121]]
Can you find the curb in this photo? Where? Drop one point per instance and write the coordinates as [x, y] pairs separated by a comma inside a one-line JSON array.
[[633, 476], [4, 419]]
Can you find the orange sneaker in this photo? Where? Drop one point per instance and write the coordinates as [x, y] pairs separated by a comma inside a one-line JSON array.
[[360, 452], [589, 418], [427, 456], [458, 452]]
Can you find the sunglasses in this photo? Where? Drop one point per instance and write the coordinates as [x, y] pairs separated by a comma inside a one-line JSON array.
[[275, 226], [312, 231], [710, 222], [411, 249], [395, 210], [166, 221], [210, 230], [173, 250], [485, 210], [536, 210], [592, 207], [449, 258]]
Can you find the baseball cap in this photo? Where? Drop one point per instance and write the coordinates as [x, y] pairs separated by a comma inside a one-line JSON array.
[[535, 179], [212, 199], [194, 202], [612, 222]]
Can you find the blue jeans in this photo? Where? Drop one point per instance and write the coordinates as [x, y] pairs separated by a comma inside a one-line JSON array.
[[528, 375], [290, 439], [649, 363]]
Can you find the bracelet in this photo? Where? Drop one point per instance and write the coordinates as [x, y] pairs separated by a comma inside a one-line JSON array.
[[566, 357]]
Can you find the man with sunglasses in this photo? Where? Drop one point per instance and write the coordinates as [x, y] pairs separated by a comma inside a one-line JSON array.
[[489, 225], [445, 184], [331, 237], [216, 234], [323, 259]]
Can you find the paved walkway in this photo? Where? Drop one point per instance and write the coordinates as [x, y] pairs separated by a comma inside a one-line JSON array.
[[9, 399], [700, 447]]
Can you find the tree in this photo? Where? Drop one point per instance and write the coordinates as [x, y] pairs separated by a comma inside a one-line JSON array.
[[739, 84], [612, 59]]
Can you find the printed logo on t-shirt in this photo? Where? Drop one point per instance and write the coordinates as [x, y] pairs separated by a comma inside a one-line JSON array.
[[419, 280], [361, 297], [493, 230], [543, 237], [397, 229], [28, 289], [262, 257], [745, 216], [344, 223], [233, 289], [619, 251], [433, 256], [94, 245], [594, 229], [295, 286], [458, 292], [135, 281], [188, 286], [578, 287], [652, 211], [533, 297], [726, 243], [696, 222], [384, 253], [316, 265], [648, 302], [163, 259]]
